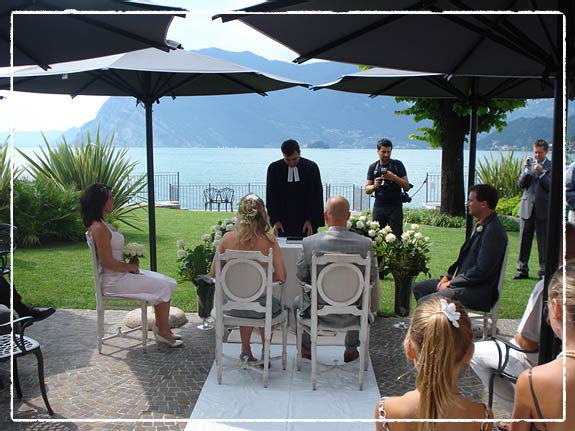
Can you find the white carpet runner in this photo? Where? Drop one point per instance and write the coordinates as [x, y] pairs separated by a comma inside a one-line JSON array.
[[288, 403]]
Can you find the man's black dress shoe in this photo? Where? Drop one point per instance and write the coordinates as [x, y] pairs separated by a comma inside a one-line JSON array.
[[520, 275], [39, 313]]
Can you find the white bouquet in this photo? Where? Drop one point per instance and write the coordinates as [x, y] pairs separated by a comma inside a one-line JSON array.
[[133, 251]]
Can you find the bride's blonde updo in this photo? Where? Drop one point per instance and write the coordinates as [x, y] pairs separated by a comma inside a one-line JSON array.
[[253, 220]]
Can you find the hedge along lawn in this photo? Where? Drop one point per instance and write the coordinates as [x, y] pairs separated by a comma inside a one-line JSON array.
[[61, 275]]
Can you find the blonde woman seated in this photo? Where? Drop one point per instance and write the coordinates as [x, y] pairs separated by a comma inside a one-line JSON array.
[[251, 234], [439, 342], [119, 278], [539, 390]]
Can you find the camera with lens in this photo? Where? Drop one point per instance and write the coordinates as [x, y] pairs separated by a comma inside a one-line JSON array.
[[531, 161], [383, 170], [405, 198]]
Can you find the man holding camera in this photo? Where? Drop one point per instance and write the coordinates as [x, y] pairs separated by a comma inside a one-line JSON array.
[[387, 178], [534, 180]]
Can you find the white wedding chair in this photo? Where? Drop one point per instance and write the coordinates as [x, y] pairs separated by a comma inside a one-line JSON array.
[[102, 300], [244, 277], [493, 313], [340, 286]]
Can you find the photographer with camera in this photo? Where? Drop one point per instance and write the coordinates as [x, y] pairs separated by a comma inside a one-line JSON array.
[[534, 180], [387, 178]]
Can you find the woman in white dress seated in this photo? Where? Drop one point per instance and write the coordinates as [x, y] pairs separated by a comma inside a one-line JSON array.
[[251, 234], [119, 278], [439, 342]]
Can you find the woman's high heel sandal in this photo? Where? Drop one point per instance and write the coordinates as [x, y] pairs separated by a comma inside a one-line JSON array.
[[162, 340], [176, 336]]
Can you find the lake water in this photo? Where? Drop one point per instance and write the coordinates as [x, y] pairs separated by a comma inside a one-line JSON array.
[[249, 165]]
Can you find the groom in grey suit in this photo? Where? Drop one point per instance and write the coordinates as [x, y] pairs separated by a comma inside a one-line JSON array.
[[337, 239], [534, 180], [472, 279]]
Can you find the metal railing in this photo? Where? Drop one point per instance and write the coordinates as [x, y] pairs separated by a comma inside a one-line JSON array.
[[191, 196]]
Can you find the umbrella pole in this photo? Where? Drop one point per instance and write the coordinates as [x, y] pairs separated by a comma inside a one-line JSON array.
[[151, 196], [549, 346], [472, 157]]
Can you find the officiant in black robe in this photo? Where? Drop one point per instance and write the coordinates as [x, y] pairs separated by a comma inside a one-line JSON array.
[[294, 194]]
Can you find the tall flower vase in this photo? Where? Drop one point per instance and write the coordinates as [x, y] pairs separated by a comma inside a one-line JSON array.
[[403, 291], [205, 294]]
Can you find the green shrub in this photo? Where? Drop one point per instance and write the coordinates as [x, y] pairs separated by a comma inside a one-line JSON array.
[[5, 178], [99, 161], [509, 224], [432, 217], [509, 206], [45, 213], [502, 174]]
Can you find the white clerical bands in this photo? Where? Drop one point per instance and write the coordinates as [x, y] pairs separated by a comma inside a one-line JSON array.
[[293, 174]]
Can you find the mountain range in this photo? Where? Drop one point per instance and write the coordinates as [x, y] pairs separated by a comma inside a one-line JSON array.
[[324, 119]]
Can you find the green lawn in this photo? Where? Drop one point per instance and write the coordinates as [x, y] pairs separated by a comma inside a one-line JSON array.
[[61, 275]]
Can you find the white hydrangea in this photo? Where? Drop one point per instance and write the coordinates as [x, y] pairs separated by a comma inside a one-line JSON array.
[[234, 220], [374, 225], [415, 227], [418, 236], [214, 228], [410, 232], [229, 227], [349, 224], [181, 253], [216, 242], [405, 236], [227, 221], [217, 236], [371, 233], [180, 243], [426, 239], [390, 238], [360, 225], [362, 218], [133, 249], [206, 237]]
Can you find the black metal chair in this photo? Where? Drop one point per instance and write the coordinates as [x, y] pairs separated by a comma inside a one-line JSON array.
[[227, 197], [15, 345], [502, 364], [211, 196]]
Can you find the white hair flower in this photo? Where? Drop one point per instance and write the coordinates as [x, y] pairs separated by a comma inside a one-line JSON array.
[[390, 238], [450, 311]]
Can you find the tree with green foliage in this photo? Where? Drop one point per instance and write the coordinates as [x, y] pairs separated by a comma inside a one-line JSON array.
[[74, 167], [451, 121]]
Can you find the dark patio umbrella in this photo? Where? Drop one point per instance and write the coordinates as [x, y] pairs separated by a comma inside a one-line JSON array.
[[43, 39], [473, 90], [488, 44], [147, 75]]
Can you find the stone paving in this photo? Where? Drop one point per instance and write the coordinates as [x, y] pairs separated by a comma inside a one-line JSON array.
[[124, 383]]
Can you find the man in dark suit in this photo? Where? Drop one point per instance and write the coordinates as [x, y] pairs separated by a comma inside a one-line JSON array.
[[472, 279], [534, 180]]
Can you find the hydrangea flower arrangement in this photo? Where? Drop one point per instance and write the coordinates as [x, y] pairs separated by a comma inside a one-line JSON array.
[[133, 251]]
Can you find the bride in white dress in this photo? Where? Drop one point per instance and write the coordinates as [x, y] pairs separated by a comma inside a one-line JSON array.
[[118, 277]]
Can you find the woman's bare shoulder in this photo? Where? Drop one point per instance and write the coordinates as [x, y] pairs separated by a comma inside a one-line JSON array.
[[402, 407]]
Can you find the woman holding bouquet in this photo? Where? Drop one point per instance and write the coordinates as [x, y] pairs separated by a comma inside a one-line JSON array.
[[119, 278], [251, 234], [439, 342]]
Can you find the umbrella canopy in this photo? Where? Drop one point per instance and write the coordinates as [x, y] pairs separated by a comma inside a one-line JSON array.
[[46, 38], [147, 75], [470, 89], [492, 44]]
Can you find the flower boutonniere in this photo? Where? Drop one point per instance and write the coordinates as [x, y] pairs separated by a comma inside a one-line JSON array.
[[479, 228]]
